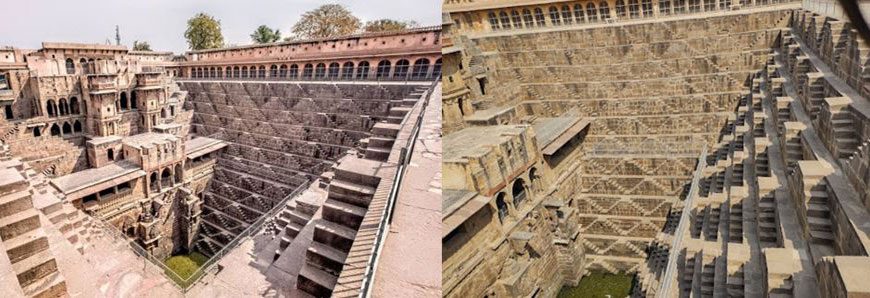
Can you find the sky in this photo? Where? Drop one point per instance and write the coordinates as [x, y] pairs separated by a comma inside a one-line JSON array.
[[162, 23]]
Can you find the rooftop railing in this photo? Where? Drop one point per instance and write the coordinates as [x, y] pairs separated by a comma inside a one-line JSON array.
[[387, 217]]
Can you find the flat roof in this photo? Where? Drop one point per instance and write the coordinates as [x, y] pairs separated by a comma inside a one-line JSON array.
[[107, 175], [202, 145], [81, 46], [486, 115], [557, 132], [137, 141], [463, 205], [477, 141]]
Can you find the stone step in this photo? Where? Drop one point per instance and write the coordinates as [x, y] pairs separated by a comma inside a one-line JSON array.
[[821, 237], [52, 285], [297, 216], [325, 257], [19, 223], [15, 202], [26, 245], [819, 224], [315, 281], [336, 235], [384, 129], [818, 210], [378, 153], [347, 214], [293, 229], [35, 267], [12, 181], [347, 187]]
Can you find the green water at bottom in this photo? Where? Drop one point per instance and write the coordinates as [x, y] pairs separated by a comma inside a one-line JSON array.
[[599, 285]]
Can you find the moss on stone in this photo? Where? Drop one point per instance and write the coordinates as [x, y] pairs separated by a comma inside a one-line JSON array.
[[185, 265], [600, 285]]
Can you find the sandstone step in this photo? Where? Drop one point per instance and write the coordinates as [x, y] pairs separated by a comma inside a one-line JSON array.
[[347, 187], [821, 237], [35, 267], [384, 129], [293, 229], [334, 234], [347, 214], [19, 223], [819, 224], [52, 285], [297, 216], [315, 281], [11, 181], [379, 154], [325, 257], [818, 210], [26, 245], [15, 202]]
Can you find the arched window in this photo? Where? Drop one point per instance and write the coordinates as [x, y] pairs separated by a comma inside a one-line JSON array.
[[55, 130], [604, 10], [539, 17], [153, 182], [51, 108], [77, 126], [710, 5], [515, 17], [133, 103], [308, 71], [592, 13], [519, 193], [634, 9], [179, 177], [505, 21], [362, 70], [273, 71], [283, 72], [578, 14], [70, 66], [534, 181], [244, 71], [554, 16], [679, 6], [620, 9], [237, 73], [36, 132], [436, 69], [723, 4], [220, 72], [383, 70], [421, 68], [527, 18], [566, 15], [320, 71], [166, 178], [124, 100], [294, 71], [347, 71], [67, 129], [493, 21], [74, 105], [333, 70], [212, 72], [401, 69], [665, 7], [63, 108], [694, 5], [502, 207], [647, 7], [262, 71], [110, 154]]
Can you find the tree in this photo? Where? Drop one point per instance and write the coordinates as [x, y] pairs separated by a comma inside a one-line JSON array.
[[141, 46], [264, 34], [203, 32], [328, 20], [388, 25]]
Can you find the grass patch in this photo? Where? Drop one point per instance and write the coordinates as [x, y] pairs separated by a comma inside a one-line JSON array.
[[184, 265], [599, 285]]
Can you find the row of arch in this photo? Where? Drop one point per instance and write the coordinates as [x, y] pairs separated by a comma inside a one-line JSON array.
[[591, 12], [61, 129], [165, 178], [63, 107], [71, 66], [520, 192], [403, 69]]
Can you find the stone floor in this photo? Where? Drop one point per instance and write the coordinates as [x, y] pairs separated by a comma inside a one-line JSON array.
[[413, 240]]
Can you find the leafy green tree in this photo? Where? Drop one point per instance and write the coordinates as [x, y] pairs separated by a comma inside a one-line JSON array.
[[141, 46], [203, 32], [328, 20], [264, 34], [388, 25]]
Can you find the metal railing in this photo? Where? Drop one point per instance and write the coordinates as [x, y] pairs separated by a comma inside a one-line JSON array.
[[670, 270], [387, 217], [185, 284]]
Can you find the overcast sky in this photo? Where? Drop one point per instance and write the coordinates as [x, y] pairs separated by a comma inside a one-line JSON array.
[[27, 23]]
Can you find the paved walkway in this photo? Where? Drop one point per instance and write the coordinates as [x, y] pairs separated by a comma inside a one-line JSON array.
[[410, 264]]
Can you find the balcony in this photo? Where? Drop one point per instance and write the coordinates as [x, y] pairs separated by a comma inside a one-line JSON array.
[[97, 83], [148, 79]]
